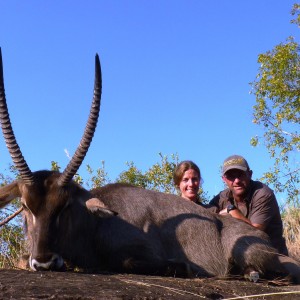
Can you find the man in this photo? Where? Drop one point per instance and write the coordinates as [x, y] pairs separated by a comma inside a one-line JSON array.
[[250, 201]]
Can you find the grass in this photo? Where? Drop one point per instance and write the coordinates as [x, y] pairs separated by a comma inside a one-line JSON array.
[[12, 246], [291, 221]]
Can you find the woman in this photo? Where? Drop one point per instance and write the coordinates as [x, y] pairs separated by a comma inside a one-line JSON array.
[[187, 178]]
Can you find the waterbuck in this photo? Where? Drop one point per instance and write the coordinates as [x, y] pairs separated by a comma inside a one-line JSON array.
[[121, 228]]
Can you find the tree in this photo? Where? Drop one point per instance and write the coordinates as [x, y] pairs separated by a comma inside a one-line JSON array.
[[159, 177], [11, 234], [96, 180], [277, 110]]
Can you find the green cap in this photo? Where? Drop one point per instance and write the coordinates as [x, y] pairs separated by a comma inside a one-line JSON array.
[[235, 162]]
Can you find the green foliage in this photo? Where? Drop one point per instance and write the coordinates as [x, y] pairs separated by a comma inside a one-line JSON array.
[[98, 178], [296, 12], [12, 243], [11, 234], [133, 176], [277, 111], [55, 166], [159, 177]]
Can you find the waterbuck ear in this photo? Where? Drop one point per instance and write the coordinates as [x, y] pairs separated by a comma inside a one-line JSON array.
[[8, 193], [98, 208]]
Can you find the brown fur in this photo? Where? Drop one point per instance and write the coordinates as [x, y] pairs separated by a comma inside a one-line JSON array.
[[153, 233]]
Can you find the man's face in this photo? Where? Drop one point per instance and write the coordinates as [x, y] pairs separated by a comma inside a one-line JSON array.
[[237, 181]]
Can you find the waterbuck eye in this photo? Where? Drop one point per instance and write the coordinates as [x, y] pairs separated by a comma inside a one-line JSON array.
[[61, 212]]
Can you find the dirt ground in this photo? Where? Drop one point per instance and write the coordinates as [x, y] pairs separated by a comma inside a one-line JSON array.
[[17, 284]]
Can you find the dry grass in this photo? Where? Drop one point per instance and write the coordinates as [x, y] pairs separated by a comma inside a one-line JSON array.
[[291, 221], [11, 248], [12, 242]]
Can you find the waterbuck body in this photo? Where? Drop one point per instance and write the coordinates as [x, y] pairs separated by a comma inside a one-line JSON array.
[[122, 228], [151, 233]]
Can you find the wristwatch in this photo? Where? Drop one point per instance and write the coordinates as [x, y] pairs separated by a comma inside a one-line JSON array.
[[230, 207]]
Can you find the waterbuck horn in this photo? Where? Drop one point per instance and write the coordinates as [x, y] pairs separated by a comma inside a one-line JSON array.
[[9, 136], [87, 137]]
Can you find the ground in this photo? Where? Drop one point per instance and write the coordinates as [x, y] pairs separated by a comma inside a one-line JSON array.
[[19, 284]]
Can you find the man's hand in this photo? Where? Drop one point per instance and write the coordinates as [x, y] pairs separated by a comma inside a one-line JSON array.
[[236, 213], [223, 212]]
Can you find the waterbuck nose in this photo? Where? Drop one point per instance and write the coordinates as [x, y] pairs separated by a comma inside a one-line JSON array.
[[51, 262]]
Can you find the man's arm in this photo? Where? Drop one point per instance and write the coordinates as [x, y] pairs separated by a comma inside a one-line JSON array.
[[236, 213], [214, 204], [263, 206]]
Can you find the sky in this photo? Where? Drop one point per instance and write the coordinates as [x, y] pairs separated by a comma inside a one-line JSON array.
[[175, 73]]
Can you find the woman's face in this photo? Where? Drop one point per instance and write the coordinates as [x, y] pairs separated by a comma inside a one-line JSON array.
[[189, 185]]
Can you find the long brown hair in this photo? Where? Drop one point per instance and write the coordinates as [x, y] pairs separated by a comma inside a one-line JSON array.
[[183, 167]]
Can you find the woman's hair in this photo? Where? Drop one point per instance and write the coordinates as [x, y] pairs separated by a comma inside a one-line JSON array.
[[183, 167]]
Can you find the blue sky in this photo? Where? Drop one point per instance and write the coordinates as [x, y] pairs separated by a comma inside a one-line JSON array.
[[176, 79]]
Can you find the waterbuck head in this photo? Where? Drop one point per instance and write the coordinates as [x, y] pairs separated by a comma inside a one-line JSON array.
[[47, 195]]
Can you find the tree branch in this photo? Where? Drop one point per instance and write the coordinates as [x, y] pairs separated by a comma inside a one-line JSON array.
[[11, 217], [281, 130], [290, 173]]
